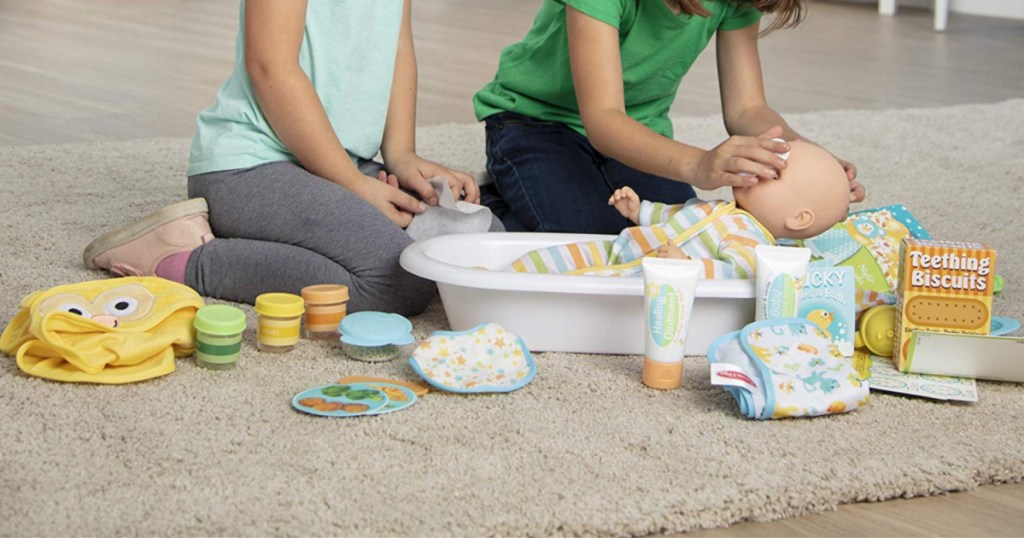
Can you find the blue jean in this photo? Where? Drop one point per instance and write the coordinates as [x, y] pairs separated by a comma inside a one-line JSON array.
[[549, 178]]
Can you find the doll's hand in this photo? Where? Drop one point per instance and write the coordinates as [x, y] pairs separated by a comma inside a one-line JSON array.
[[670, 250], [627, 202], [412, 173], [392, 202], [742, 161]]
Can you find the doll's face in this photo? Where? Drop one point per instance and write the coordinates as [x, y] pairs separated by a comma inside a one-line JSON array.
[[811, 195]]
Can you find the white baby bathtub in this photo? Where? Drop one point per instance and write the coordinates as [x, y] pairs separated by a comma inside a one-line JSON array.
[[587, 314]]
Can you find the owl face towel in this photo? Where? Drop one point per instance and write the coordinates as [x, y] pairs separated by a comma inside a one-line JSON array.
[[104, 331], [785, 368]]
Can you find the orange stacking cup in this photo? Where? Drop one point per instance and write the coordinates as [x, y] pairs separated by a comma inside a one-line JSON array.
[[325, 308]]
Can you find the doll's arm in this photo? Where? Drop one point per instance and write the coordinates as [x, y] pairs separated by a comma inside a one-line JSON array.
[[641, 213], [736, 256], [652, 213]]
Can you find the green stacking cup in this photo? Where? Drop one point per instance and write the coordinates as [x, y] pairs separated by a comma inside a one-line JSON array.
[[219, 336]]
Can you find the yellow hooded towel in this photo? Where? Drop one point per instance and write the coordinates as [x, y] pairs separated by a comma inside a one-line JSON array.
[[104, 331]]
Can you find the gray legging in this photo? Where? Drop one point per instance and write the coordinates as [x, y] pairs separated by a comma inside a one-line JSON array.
[[280, 228]]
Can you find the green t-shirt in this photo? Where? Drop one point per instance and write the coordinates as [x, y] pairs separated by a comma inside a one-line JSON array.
[[348, 53], [657, 48]]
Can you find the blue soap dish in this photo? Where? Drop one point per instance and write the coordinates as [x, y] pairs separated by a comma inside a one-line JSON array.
[[1002, 326], [374, 336]]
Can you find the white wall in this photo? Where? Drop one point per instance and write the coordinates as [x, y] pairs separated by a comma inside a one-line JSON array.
[[1010, 9]]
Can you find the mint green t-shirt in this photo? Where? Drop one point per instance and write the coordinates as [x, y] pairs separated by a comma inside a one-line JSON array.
[[348, 53], [657, 48]]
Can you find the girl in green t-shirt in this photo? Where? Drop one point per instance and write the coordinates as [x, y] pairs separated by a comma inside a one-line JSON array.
[[579, 108]]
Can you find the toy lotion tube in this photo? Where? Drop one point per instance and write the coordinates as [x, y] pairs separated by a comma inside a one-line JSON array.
[[781, 272], [669, 289]]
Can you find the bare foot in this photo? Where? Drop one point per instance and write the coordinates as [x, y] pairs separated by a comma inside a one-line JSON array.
[[669, 250], [627, 202]]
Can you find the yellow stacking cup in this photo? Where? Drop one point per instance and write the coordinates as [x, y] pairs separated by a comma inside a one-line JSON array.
[[280, 318]]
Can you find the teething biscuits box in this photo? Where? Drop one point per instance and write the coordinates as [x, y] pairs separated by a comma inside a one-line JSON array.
[[944, 286]]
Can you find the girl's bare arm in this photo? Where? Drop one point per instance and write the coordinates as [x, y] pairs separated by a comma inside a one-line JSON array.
[[273, 37], [597, 76]]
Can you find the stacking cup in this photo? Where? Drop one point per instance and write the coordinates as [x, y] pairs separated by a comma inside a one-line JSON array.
[[218, 336], [280, 318], [325, 308]]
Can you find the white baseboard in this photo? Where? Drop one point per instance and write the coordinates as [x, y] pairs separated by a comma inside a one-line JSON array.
[[1006, 9]]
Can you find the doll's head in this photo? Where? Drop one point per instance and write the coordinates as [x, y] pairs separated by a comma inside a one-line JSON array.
[[810, 196]]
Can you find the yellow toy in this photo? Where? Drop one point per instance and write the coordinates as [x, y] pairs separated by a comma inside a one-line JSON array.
[[877, 330], [104, 331]]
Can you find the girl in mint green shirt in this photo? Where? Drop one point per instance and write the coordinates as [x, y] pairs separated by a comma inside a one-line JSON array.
[[283, 189], [579, 108]]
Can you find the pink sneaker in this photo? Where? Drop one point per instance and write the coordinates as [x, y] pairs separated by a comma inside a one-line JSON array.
[[137, 249]]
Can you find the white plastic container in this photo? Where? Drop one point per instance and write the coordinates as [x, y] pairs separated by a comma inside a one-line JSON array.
[[584, 314]]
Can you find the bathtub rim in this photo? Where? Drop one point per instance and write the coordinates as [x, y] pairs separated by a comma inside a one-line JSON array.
[[418, 259]]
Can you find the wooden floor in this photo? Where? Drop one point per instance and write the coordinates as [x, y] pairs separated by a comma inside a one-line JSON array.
[[73, 71]]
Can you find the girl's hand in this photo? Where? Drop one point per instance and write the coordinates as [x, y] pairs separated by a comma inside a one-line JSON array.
[[857, 191], [389, 200], [412, 173], [387, 178], [742, 161]]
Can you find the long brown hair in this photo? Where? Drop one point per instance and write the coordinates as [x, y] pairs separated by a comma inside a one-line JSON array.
[[788, 13]]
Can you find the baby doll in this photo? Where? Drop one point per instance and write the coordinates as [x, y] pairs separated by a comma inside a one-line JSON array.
[[811, 195]]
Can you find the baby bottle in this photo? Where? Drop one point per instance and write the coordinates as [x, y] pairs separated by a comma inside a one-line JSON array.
[[280, 317], [325, 308], [218, 336]]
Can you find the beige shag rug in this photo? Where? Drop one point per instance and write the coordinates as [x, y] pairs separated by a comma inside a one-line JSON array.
[[584, 449]]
